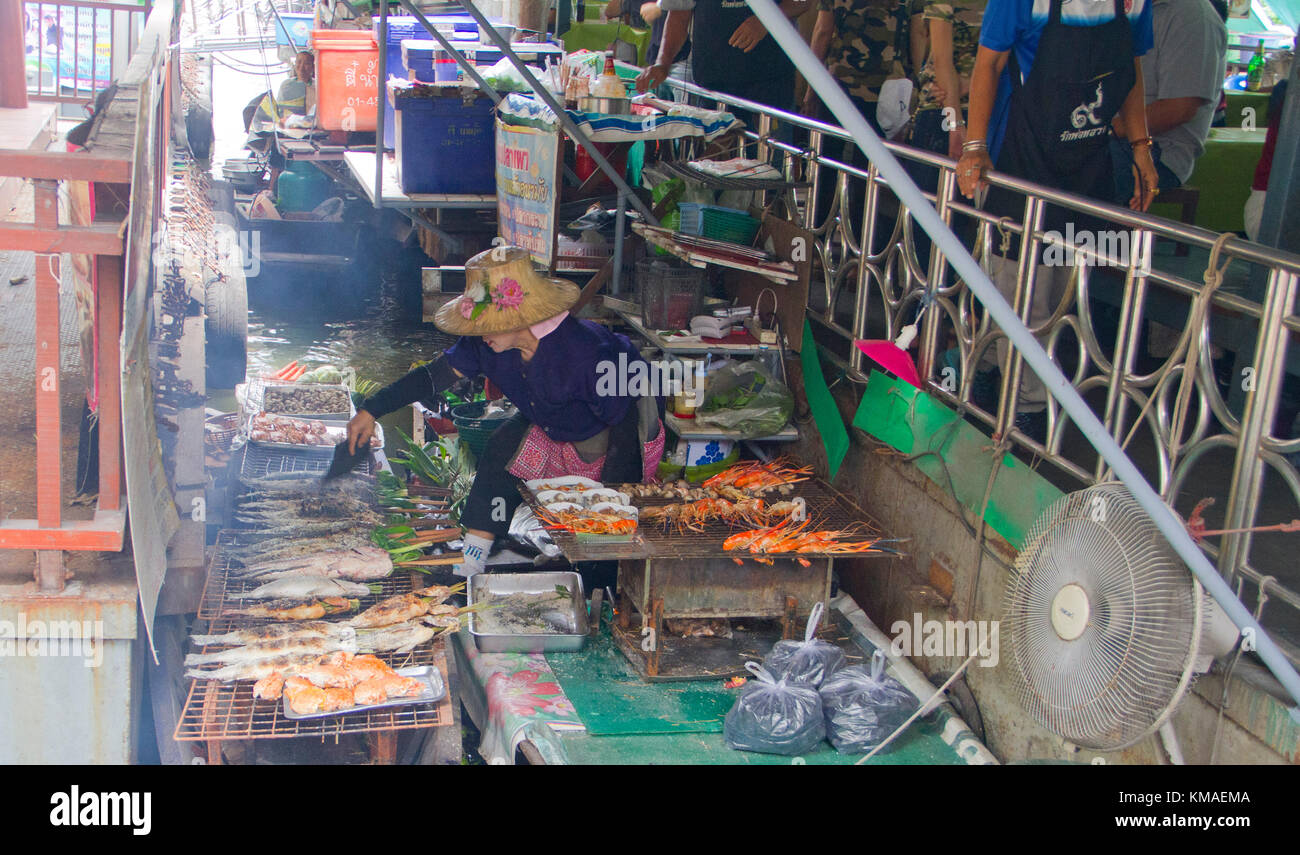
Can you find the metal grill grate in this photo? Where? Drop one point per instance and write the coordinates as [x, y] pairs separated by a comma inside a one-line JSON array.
[[827, 509], [216, 601], [217, 711], [260, 461]]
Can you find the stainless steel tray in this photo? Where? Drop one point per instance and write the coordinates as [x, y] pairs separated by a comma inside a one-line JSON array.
[[528, 583], [322, 449], [427, 673], [343, 415]]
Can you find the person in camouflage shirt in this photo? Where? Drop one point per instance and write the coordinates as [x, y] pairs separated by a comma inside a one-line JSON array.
[[944, 78], [864, 43]]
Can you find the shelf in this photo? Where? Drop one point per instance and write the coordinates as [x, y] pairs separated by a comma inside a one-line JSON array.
[[362, 166], [631, 314], [688, 430], [701, 256]]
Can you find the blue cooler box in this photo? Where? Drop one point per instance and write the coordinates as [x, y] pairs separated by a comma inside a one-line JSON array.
[[403, 27], [445, 145]]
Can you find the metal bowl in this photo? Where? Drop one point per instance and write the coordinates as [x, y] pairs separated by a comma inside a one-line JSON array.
[[607, 106]]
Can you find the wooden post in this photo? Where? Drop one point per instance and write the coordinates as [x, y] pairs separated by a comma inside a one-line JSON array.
[[13, 56], [48, 465], [108, 311]]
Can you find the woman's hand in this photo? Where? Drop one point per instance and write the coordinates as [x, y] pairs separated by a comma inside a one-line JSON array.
[[748, 35], [1146, 180], [812, 105], [971, 168], [956, 137], [652, 78], [360, 429]]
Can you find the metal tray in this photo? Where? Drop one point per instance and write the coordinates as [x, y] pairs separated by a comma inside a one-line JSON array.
[[428, 673], [344, 415], [529, 583], [322, 449]]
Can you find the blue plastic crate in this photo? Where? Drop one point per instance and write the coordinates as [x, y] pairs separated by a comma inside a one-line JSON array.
[[445, 145]]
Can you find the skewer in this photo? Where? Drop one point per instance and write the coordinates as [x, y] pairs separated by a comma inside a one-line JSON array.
[[453, 558]]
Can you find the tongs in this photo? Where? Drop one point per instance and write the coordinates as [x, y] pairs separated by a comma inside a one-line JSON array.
[[345, 461]]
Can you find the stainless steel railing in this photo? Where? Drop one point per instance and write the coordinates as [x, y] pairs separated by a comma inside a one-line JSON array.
[[871, 278]]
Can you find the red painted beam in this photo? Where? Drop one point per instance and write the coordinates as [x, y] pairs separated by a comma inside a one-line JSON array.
[[105, 533], [13, 74], [90, 240], [62, 165]]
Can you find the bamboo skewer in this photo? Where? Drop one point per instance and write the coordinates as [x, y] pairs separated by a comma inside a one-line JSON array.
[[453, 558]]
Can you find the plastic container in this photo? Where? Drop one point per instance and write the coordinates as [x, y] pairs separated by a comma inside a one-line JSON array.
[[294, 28], [445, 145], [717, 223], [474, 430], [347, 79], [670, 293], [428, 62], [302, 187]]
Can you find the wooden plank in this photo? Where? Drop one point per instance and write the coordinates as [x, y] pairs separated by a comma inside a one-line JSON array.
[[89, 240], [108, 308], [105, 533], [71, 166]]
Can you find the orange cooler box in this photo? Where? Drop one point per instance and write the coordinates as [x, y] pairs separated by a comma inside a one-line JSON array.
[[347, 79]]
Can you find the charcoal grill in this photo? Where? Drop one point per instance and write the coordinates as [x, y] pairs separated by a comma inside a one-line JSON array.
[[215, 712], [261, 460], [666, 573]]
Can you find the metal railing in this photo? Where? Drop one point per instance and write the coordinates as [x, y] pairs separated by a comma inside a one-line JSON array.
[[873, 275], [75, 48]]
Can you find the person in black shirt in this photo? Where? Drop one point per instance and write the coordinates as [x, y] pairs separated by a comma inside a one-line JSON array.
[[732, 52]]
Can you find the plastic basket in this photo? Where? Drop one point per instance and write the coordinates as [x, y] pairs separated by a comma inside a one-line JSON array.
[[670, 293], [474, 430], [717, 223], [347, 79]]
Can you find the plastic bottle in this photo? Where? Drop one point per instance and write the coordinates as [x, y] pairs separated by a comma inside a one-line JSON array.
[[1255, 70], [608, 85]]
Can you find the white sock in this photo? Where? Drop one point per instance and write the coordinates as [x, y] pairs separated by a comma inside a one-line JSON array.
[[475, 550]]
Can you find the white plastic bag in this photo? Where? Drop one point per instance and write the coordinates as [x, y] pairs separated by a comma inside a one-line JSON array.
[[807, 662], [772, 716]]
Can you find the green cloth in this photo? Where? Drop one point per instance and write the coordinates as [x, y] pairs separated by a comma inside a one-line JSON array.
[[611, 698], [912, 422], [1223, 175], [835, 437], [598, 36]]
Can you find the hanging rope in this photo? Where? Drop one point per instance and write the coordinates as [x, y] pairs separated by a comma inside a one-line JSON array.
[[1191, 345]]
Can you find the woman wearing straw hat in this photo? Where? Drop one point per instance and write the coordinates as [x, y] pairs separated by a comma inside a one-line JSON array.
[[516, 330]]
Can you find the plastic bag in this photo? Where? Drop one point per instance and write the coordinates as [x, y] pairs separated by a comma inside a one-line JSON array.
[[745, 397], [773, 717], [863, 706], [527, 530], [504, 77], [808, 662]]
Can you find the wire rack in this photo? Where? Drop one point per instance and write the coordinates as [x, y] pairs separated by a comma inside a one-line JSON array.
[[219, 711], [261, 460], [827, 509]]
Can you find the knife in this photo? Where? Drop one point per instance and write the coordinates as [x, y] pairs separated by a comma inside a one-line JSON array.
[[345, 461]]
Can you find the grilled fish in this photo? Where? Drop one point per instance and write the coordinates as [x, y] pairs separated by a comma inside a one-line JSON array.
[[258, 651], [256, 635], [258, 669], [393, 610], [402, 638], [359, 564], [304, 586], [298, 610]]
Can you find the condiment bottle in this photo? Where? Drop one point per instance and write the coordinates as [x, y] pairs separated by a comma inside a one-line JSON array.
[[608, 85]]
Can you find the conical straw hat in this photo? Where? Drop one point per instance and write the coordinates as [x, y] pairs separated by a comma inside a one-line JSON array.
[[504, 293]]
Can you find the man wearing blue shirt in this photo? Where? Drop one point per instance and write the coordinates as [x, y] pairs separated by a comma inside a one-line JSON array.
[[1049, 78]]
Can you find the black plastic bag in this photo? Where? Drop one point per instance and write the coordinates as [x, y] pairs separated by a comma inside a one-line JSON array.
[[773, 717], [807, 662], [863, 706]]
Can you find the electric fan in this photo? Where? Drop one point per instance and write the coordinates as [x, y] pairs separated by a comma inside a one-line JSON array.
[[1105, 623]]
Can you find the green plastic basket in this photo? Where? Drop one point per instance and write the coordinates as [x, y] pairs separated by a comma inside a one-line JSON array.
[[717, 223], [472, 429]]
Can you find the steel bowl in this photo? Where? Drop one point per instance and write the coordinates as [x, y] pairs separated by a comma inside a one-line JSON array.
[[606, 106]]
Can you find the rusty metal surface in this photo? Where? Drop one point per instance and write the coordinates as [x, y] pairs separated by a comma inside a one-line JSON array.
[[718, 588]]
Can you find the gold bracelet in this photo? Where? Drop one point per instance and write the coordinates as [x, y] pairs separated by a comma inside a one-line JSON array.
[[1147, 141]]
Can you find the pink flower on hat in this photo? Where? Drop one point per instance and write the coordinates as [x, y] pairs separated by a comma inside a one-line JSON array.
[[466, 308], [508, 295]]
